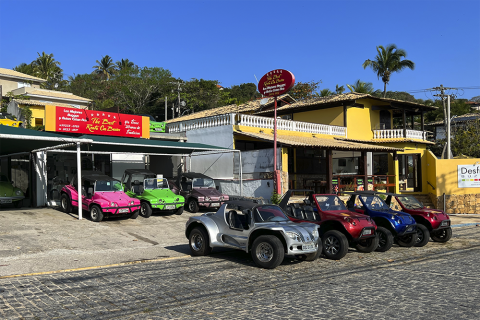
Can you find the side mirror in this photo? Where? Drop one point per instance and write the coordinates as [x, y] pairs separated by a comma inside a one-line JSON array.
[[89, 192]]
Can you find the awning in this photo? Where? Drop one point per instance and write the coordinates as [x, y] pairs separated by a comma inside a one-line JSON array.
[[298, 141], [19, 140]]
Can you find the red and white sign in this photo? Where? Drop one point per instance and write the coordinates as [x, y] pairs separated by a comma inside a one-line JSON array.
[[99, 122], [276, 82]]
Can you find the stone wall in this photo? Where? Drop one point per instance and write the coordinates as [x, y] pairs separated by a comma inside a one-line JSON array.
[[459, 203]]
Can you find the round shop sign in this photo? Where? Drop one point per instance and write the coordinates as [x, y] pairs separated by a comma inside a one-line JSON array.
[[276, 82]]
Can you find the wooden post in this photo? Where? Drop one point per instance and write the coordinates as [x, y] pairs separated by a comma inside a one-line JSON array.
[[345, 116], [329, 171], [365, 170], [423, 121], [413, 122], [404, 123]]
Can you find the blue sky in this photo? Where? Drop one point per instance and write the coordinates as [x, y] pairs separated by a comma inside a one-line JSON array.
[[231, 41]]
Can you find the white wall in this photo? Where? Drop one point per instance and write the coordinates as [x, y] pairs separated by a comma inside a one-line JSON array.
[[218, 166], [41, 177], [120, 162], [251, 188], [258, 161]]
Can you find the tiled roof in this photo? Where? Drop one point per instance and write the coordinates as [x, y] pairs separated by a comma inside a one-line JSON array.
[[317, 142], [41, 103], [340, 98], [13, 73], [56, 94], [233, 108], [462, 118], [392, 140]]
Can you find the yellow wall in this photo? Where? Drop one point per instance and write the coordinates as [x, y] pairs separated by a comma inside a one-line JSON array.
[[331, 116], [37, 112], [431, 160], [447, 177]]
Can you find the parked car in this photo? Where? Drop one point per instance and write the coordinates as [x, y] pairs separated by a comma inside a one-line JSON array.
[[10, 194], [339, 227], [391, 225], [155, 126], [153, 192], [261, 229], [199, 190], [102, 196], [431, 223], [7, 119]]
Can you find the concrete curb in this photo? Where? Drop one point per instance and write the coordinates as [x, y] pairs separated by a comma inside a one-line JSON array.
[[477, 224]]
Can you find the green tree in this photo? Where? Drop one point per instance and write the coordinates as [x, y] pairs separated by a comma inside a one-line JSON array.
[[325, 93], [339, 89], [105, 67], [387, 61], [124, 64], [46, 67], [305, 90], [465, 139], [361, 87], [457, 108], [25, 68], [201, 94], [243, 93]]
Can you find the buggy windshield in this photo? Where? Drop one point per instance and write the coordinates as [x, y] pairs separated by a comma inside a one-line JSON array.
[[410, 202], [203, 183], [374, 203], [108, 185], [269, 213], [332, 202], [154, 183]]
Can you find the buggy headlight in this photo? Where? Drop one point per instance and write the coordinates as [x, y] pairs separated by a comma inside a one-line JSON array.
[[113, 204], [132, 202], [315, 234], [207, 199], [294, 236], [18, 193]]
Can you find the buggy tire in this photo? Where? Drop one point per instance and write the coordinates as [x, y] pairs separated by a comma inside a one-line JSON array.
[[65, 203], [179, 211], [18, 204], [192, 205], [385, 239], [408, 240], [335, 245], [145, 209], [442, 235], [96, 213], [423, 235], [135, 214], [367, 245], [199, 242], [267, 251]]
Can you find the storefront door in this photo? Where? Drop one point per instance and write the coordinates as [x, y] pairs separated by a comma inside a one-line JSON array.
[[414, 174]]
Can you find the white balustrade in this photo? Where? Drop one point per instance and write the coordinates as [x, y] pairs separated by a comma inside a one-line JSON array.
[[258, 122], [398, 133]]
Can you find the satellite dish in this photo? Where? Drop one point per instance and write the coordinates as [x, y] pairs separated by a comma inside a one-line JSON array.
[[263, 101]]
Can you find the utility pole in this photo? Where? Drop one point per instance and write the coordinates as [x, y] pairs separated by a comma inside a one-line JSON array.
[[178, 83], [446, 116]]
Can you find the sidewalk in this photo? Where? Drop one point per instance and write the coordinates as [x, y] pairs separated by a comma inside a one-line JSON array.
[[45, 239]]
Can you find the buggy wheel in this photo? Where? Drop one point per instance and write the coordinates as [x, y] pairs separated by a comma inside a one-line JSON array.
[[408, 240], [145, 209], [96, 213], [367, 245], [192, 205], [66, 203], [267, 252], [442, 235], [198, 240], [179, 211], [423, 235], [335, 245], [385, 239]]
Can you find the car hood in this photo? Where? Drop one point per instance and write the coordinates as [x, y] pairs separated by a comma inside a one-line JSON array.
[[162, 194], [207, 192], [405, 217], [119, 197], [6, 189], [305, 229], [346, 213]]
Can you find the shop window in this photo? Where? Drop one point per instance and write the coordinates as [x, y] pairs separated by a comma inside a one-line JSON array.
[[311, 161], [380, 164], [38, 122]]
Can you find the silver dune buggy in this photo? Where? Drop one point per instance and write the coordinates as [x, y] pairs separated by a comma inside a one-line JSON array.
[[261, 229]]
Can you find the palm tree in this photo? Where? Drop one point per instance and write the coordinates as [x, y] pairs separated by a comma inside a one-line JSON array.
[[24, 68], [325, 93], [46, 67], [387, 61], [339, 89], [361, 87], [105, 67], [124, 64]]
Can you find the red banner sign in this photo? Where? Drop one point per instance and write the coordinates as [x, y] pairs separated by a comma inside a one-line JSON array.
[[98, 122], [276, 82]]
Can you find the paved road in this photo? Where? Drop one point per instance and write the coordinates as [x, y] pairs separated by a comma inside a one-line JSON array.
[[440, 281]]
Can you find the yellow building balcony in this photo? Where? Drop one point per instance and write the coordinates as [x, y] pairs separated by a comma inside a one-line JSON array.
[[399, 134], [256, 122]]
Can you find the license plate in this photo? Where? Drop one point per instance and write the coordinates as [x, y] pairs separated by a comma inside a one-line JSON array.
[[444, 223], [123, 210], [308, 246], [6, 201], [170, 207], [158, 129], [367, 232], [215, 205]]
